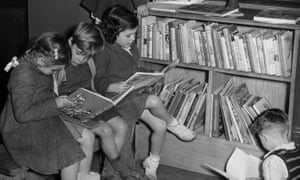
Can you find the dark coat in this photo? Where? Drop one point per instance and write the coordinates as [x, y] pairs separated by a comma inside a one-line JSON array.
[[32, 131], [97, 7], [114, 64]]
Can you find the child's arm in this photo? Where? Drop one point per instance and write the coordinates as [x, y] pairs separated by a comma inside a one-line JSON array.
[[141, 7], [30, 103], [118, 87], [101, 79], [274, 168]]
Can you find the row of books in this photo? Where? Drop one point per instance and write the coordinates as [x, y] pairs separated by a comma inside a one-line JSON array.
[[234, 109], [264, 51], [185, 99]]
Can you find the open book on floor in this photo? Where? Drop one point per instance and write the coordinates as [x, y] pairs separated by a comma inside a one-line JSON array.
[[240, 166]]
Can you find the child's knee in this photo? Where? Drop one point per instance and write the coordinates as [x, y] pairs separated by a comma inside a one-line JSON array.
[[161, 126], [105, 130], [154, 101], [87, 137], [122, 125]]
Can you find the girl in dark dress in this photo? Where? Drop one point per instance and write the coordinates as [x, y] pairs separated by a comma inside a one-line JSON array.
[[117, 62], [32, 131], [85, 39]]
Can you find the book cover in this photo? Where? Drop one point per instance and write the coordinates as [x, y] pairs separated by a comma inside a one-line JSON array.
[[167, 6], [87, 105], [239, 166], [208, 10], [277, 16]]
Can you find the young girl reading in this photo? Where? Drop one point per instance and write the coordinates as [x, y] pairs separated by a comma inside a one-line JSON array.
[[31, 129], [84, 40], [114, 65]]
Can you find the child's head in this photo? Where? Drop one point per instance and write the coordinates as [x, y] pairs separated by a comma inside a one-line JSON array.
[[50, 52], [119, 25], [272, 128], [85, 40]]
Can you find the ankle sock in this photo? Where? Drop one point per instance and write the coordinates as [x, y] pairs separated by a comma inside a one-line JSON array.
[[174, 122], [154, 157]]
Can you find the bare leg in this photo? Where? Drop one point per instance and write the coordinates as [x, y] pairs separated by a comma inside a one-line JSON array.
[[158, 109], [108, 143], [87, 145], [158, 135], [70, 172], [120, 130]]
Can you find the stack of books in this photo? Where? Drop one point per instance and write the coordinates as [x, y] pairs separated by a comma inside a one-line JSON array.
[[277, 16], [234, 109], [226, 46], [185, 100]]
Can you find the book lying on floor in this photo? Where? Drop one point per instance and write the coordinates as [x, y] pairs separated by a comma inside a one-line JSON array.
[[208, 10], [277, 16], [87, 105], [240, 166]]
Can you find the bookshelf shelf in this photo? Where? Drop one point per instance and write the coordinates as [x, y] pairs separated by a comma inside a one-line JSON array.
[[226, 71], [280, 89], [245, 20]]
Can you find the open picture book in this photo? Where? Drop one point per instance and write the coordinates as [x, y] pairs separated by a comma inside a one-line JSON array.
[[89, 104], [239, 166]]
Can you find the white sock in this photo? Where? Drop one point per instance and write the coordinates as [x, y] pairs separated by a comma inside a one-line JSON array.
[[174, 122], [154, 157]]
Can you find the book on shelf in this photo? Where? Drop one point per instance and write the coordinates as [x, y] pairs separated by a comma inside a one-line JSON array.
[[208, 9], [240, 166], [277, 16], [87, 105], [233, 111], [167, 6], [227, 46]]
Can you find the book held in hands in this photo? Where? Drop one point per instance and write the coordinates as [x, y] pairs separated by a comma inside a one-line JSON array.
[[87, 105], [277, 16], [239, 166]]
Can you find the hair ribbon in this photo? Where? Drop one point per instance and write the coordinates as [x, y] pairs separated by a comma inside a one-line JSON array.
[[13, 63]]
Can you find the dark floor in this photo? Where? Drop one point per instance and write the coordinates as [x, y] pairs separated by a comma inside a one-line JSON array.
[[171, 173]]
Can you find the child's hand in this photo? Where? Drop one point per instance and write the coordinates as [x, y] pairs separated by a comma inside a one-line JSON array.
[[142, 10], [118, 87], [63, 101]]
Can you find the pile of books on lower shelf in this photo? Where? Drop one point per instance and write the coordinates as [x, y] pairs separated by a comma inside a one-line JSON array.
[[234, 109], [185, 99]]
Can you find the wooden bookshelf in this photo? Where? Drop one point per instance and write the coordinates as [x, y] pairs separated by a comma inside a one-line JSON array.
[[280, 91]]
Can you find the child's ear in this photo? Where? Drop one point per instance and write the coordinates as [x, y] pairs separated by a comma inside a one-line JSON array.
[[263, 138], [40, 61], [70, 41]]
